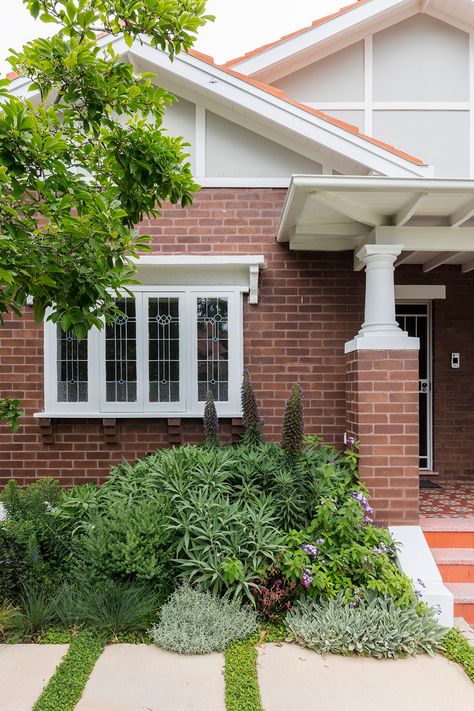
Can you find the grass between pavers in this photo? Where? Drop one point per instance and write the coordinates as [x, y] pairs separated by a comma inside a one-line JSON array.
[[457, 648], [65, 687], [242, 691]]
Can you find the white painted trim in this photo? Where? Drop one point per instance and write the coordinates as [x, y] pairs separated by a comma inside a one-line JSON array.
[[419, 292], [96, 415], [471, 99], [200, 143], [415, 559], [207, 182], [178, 260], [368, 84], [390, 105]]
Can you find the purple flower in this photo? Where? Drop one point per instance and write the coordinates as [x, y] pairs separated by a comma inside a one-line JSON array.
[[319, 541], [307, 578], [310, 549], [350, 440], [420, 582]]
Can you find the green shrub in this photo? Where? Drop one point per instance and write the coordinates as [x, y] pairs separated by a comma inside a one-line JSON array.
[[224, 546], [21, 560], [340, 550], [375, 627], [192, 622], [109, 607], [128, 542]]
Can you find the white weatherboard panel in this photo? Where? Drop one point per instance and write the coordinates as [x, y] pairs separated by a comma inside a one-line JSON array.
[[421, 59], [340, 76], [233, 151], [180, 120], [441, 137]]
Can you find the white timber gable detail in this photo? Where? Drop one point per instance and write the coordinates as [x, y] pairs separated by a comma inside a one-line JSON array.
[[401, 71], [242, 133]]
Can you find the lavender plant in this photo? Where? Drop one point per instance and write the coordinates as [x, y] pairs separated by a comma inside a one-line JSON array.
[[253, 423], [210, 421], [293, 425]]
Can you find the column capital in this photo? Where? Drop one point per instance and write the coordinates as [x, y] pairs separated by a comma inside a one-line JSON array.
[[380, 330], [381, 250]]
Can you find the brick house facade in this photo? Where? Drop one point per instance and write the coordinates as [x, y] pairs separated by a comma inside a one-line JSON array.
[[331, 213]]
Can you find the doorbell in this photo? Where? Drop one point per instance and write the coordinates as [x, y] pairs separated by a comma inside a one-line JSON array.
[[455, 360]]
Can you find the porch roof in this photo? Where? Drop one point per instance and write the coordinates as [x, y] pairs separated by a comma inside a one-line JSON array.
[[431, 218]]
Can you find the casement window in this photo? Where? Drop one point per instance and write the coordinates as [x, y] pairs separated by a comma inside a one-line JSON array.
[[171, 345], [160, 357]]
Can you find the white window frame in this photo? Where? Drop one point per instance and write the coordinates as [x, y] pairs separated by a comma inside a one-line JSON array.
[[188, 405]]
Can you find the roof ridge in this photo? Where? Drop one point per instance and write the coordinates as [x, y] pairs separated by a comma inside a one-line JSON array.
[[284, 38]]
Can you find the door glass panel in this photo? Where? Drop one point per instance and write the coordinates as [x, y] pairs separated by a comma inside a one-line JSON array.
[[71, 367], [121, 354], [213, 348], [163, 349]]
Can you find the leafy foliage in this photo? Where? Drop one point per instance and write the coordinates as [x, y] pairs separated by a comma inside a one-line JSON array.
[[252, 421], [457, 648], [65, 687], [36, 612], [376, 627], [126, 542], [82, 167], [341, 551], [193, 622], [20, 559], [210, 421], [293, 425], [274, 595]]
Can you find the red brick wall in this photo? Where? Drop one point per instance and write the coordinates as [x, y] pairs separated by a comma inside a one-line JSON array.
[[382, 413], [310, 304]]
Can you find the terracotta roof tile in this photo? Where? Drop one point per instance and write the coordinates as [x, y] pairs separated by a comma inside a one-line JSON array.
[[269, 45]]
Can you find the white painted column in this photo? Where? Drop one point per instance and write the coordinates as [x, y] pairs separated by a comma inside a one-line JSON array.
[[380, 330]]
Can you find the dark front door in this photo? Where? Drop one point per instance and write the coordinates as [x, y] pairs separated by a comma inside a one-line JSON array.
[[416, 320]]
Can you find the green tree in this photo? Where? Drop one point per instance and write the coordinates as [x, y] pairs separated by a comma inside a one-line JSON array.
[[83, 165]]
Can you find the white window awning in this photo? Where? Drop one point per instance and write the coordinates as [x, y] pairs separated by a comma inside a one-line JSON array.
[[432, 219]]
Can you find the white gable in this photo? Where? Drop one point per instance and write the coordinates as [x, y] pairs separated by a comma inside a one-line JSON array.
[[408, 84]]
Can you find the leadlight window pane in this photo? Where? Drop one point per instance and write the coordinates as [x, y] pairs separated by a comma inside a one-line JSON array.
[[213, 348], [121, 354], [72, 368], [163, 349]]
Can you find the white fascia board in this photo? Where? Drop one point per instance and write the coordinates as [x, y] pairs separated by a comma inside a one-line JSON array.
[[203, 261], [225, 87], [346, 22], [415, 559], [419, 292]]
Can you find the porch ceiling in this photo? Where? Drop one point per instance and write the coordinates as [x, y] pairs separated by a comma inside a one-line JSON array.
[[431, 218]]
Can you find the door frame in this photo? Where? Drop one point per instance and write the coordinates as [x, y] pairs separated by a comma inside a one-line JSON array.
[[429, 371]]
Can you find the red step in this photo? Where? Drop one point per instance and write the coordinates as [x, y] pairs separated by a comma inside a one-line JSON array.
[[452, 545], [456, 565]]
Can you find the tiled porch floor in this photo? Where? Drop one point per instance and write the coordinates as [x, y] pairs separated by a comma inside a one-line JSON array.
[[455, 499]]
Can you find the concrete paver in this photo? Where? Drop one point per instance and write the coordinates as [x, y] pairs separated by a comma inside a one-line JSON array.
[[25, 669], [140, 677], [292, 678]]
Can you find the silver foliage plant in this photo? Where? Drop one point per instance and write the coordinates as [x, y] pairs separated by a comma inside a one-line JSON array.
[[194, 622], [376, 627]]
